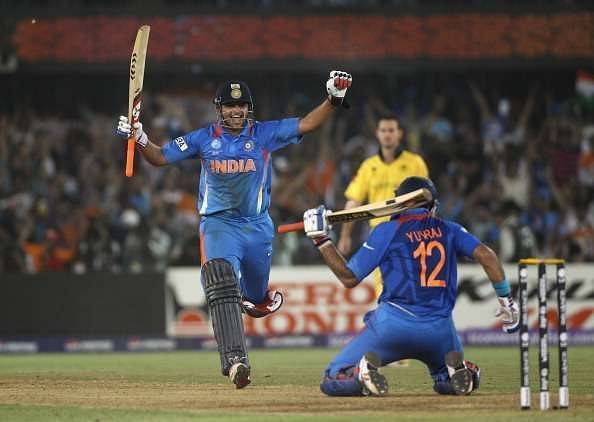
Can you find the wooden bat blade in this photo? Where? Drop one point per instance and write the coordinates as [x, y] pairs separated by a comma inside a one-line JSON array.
[[137, 62], [367, 212], [383, 208]]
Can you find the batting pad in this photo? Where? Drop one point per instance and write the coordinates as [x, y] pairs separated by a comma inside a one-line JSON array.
[[223, 297]]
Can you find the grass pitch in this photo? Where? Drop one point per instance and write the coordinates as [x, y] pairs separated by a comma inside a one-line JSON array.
[[184, 386]]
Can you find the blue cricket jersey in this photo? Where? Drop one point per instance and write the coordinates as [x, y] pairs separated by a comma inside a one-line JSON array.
[[416, 254], [236, 170]]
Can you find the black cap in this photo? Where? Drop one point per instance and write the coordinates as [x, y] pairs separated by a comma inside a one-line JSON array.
[[234, 92]]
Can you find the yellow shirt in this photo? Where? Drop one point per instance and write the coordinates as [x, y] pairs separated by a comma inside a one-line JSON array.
[[376, 180]]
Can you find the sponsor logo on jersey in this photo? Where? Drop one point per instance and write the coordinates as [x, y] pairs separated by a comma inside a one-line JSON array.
[[248, 146], [216, 143], [181, 143], [366, 246], [232, 166]]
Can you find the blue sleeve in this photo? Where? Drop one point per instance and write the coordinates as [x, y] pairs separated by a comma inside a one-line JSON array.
[[369, 256], [182, 147], [280, 133], [464, 242]]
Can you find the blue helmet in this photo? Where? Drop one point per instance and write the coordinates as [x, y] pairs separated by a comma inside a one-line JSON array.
[[234, 92], [411, 184]]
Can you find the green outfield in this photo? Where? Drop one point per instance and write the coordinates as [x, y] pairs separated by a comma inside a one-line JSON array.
[[180, 386]]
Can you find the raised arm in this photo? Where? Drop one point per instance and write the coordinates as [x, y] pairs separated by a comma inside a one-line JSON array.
[[336, 87], [153, 154], [316, 117], [528, 107], [480, 99]]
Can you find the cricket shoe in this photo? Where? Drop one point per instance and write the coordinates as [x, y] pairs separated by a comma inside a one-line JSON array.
[[373, 382], [239, 374], [460, 376], [272, 303], [476, 374]]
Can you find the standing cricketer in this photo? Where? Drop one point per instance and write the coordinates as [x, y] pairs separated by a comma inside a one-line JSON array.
[[234, 196], [416, 253], [379, 176]]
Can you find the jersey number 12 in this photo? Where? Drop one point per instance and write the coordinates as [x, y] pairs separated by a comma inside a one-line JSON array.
[[422, 252]]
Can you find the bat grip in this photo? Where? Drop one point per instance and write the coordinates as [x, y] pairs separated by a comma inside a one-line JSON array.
[[292, 227], [130, 156]]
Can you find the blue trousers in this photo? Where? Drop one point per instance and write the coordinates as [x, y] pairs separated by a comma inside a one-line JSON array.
[[247, 244], [394, 335]]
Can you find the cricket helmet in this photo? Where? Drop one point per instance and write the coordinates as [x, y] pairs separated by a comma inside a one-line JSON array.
[[411, 184], [234, 92]]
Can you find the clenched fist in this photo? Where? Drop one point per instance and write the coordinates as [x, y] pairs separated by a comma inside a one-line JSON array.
[[337, 85], [124, 130]]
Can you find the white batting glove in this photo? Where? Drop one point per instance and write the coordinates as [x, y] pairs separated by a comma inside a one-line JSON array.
[[124, 130], [509, 313], [337, 85], [316, 225]]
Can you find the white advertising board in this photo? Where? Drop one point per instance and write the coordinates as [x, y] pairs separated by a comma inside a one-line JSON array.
[[317, 304]]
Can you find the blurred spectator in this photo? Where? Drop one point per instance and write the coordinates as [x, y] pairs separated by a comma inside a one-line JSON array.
[[517, 170]]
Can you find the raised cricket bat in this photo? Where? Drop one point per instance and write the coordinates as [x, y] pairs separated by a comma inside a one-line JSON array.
[[366, 212], [135, 89]]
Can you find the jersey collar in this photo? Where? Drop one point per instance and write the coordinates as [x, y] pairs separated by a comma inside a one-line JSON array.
[[412, 214], [397, 153], [216, 130]]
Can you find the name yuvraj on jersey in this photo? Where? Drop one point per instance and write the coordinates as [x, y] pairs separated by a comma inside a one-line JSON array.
[[232, 166], [420, 235]]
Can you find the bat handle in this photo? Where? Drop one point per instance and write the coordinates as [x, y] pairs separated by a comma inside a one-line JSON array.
[[130, 157], [292, 227]]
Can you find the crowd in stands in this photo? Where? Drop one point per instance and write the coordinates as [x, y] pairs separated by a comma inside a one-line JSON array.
[[516, 170]]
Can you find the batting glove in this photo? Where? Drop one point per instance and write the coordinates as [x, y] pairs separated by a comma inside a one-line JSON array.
[[124, 130], [316, 225], [337, 85], [509, 313]]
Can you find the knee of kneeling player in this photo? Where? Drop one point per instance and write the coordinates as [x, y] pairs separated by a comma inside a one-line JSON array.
[[443, 387], [345, 387]]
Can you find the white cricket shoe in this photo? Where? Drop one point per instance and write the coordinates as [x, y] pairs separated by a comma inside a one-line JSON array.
[[373, 382]]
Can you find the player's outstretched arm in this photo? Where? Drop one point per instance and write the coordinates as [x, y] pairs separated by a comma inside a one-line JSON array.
[[508, 310], [336, 87], [316, 228], [151, 152]]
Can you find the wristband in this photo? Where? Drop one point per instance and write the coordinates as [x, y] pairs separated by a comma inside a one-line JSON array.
[[143, 140], [502, 288], [319, 241], [338, 101], [335, 101]]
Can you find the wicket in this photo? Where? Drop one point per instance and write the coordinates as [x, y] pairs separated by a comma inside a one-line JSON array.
[[543, 333]]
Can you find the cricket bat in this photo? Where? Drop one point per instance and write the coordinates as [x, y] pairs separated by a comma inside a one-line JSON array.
[[366, 212], [135, 89]]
